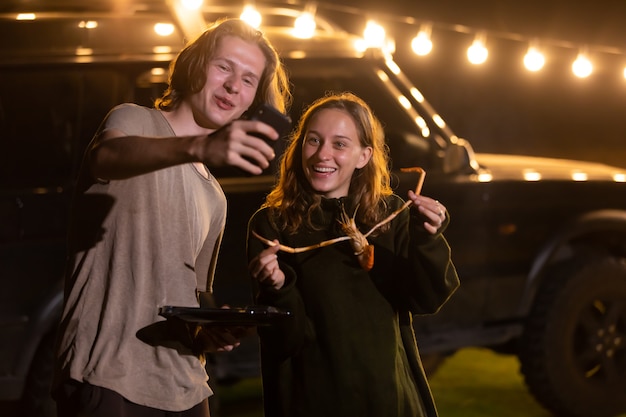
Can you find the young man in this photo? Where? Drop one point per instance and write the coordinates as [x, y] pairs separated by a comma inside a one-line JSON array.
[[146, 228]]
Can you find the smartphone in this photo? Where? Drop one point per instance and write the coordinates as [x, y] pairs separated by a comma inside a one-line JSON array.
[[271, 116]]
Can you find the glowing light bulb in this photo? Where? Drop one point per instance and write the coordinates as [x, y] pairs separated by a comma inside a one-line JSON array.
[[374, 34], [422, 44], [477, 53], [534, 60], [251, 16], [582, 67], [304, 26], [164, 29], [26, 16]]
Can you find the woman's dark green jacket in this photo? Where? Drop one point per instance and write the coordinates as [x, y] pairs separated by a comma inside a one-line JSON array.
[[350, 350]]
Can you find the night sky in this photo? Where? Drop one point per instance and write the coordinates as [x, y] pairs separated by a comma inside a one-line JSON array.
[[502, 107]]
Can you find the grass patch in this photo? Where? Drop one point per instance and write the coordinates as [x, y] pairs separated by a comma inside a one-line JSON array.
[[473, 382], [478, 383]]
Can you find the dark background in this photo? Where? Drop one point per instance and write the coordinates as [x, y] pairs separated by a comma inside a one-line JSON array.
[[500, 106]]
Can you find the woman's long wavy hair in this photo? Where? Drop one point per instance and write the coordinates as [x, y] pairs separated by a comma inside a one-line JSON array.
[[188, 69], [292, 201]]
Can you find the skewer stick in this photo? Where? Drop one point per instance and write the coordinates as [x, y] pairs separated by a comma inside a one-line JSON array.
[[289, 249], [418, 190]]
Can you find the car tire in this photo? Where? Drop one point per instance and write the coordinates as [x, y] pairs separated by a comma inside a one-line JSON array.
[[36, 399], [573, 351]]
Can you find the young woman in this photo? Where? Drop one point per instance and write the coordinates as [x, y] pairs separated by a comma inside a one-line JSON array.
[[349, 349]]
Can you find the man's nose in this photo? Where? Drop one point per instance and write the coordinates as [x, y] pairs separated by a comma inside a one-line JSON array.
[[232, 84]]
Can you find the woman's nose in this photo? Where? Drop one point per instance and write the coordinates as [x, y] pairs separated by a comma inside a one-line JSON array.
[[324, 152]]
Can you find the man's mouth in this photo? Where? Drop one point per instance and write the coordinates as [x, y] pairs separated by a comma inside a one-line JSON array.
[[224, 103]]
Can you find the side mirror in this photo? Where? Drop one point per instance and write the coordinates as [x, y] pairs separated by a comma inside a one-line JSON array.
[[459, 157]]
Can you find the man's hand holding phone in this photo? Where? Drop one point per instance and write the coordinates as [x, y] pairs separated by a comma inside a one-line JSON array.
[[270, 116], [248, 143]]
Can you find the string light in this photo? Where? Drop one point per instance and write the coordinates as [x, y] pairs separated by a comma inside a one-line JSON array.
[[374, 34], [164, 29], [26, 16], [534, 60], [582, 66], [421, 43], [89, 24], [375, 37], [251, 16], [304, 26], [477, 53]]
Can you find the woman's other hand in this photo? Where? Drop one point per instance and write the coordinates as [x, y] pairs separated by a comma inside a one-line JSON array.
[[264, 268]]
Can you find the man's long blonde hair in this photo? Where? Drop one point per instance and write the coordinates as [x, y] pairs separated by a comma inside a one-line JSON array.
[[188, 69]]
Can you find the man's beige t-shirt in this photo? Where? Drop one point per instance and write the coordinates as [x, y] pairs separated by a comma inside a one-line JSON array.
[[136, 245]]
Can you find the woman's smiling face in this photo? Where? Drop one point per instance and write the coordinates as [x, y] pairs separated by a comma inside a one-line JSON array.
[[331, 151]]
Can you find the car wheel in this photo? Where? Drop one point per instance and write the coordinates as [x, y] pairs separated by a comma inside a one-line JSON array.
[[573, 351], [36, 399]]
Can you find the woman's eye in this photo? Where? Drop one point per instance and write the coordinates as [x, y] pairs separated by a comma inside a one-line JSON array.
[[312, 141]]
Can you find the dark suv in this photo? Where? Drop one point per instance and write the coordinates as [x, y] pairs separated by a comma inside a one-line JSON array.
[[540, 244]]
